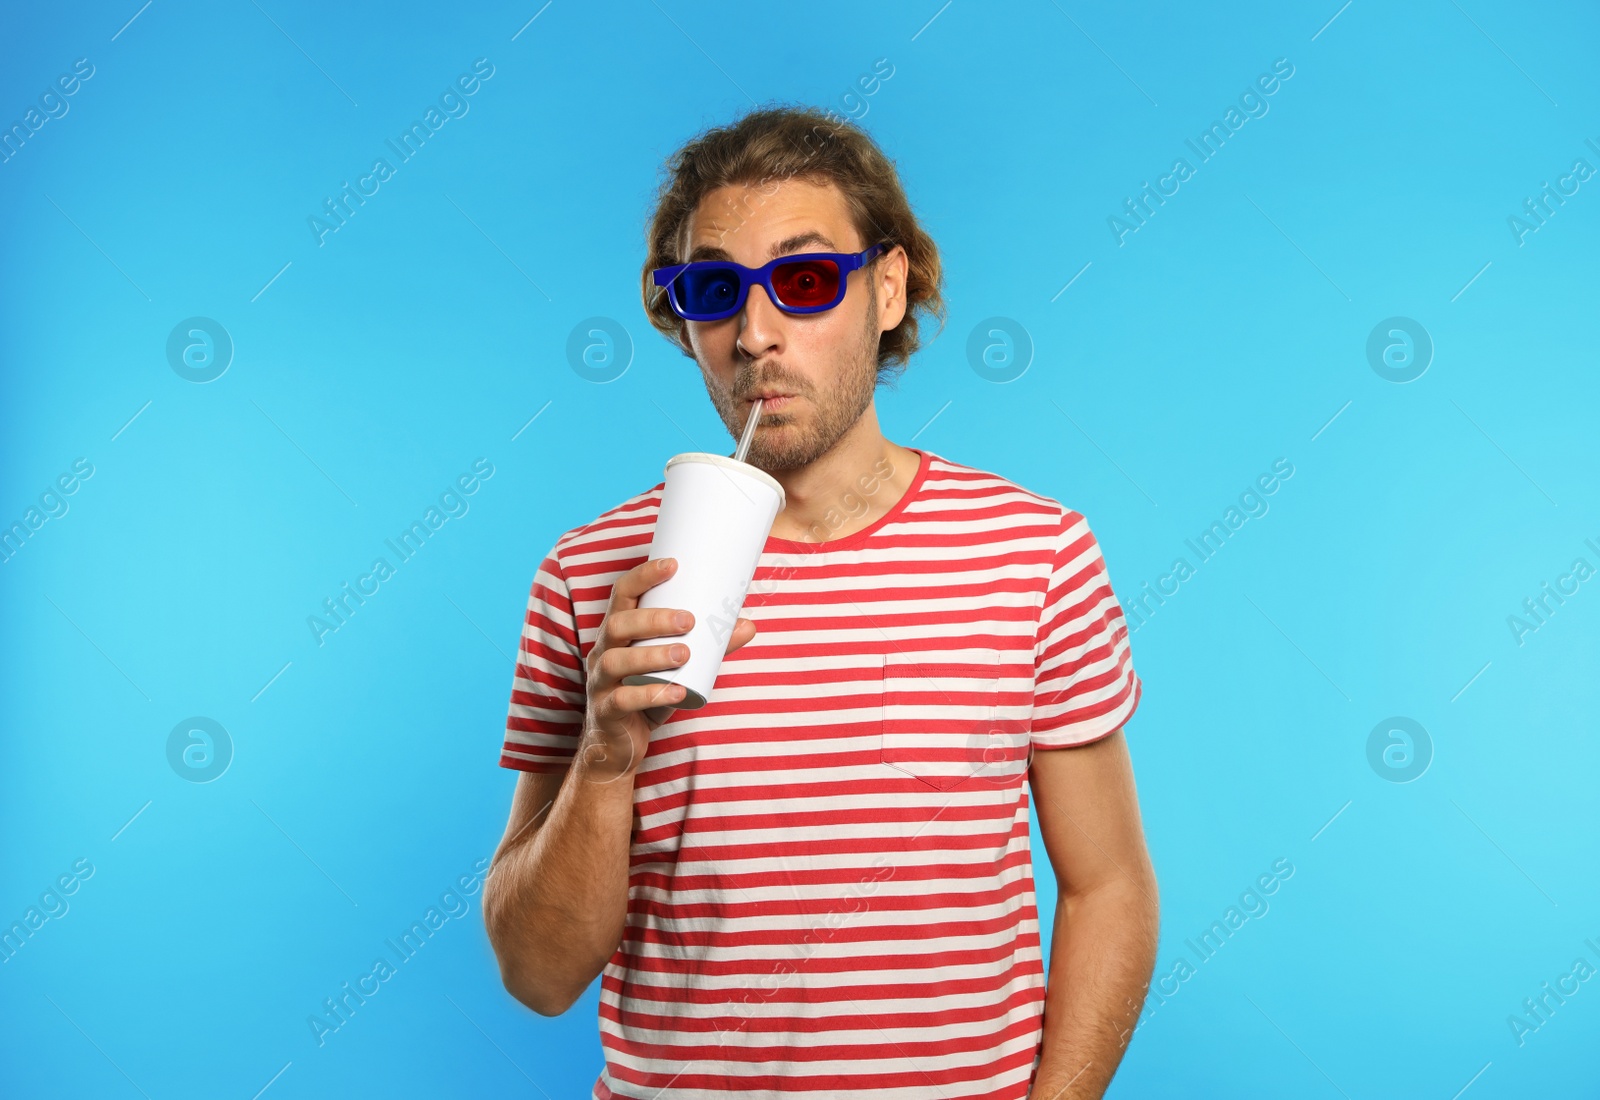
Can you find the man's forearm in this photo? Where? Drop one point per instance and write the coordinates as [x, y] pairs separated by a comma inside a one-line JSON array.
[[556, 903], [1103, 952]]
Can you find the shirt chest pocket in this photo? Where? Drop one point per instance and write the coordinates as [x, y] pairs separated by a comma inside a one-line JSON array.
[[955, 723]]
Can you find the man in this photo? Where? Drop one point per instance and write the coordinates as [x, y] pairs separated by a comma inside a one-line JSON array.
[[820, 884]]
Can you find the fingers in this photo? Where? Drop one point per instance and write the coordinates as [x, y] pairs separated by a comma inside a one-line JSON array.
[[627, 589], [623, 661], [622, 627], [628, 698], [743, 631], [625, 621]]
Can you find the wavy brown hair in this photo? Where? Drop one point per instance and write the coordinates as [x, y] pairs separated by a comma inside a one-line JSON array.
[[766, 147]]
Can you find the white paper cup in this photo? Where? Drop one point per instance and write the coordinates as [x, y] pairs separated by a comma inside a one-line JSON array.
[[715, 517]]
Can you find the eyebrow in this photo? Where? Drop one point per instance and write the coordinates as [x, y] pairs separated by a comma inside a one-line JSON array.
[[790, 244]]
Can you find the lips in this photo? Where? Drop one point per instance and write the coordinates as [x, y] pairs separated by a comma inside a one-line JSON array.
[[772, 404]]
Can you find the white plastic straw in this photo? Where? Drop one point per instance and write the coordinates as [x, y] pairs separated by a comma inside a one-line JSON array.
[[749, 430]]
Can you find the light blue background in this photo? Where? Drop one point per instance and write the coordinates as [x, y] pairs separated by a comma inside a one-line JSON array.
[[1226, 333]]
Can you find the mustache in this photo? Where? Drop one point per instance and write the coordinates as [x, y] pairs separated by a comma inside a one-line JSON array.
[[778, 383]]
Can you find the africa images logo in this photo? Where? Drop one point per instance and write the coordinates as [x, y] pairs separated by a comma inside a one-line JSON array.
[[452, 104]]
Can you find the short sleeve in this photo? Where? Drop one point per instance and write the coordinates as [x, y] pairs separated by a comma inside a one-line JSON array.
[[548, 698], [1085, 687]]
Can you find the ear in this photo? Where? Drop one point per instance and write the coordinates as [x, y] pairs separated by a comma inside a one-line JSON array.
[[889, 277]]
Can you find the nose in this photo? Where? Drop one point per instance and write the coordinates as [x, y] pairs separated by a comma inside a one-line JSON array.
[[760, 324]]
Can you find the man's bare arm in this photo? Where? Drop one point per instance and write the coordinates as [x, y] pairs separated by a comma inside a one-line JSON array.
[[1107, 917], [556, 900]]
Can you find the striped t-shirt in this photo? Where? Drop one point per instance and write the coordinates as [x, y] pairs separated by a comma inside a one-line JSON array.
[[830, 889]]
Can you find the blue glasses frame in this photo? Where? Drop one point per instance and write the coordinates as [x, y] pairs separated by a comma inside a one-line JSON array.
[[758, 276]]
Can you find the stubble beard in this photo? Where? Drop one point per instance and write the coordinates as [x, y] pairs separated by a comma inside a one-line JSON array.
[[785, 441]]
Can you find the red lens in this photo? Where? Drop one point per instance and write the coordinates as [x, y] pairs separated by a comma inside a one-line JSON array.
[[806, 283]]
